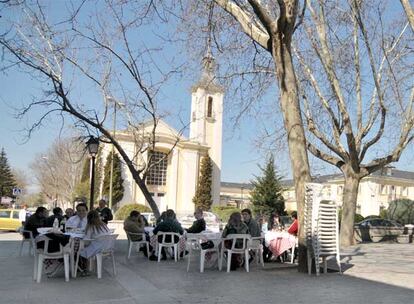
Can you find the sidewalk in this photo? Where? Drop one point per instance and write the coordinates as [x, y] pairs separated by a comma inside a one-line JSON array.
[[142, 281]]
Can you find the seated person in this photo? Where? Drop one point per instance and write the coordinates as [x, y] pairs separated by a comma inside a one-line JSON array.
[[169, 224], [135, 224], [95, 227], [57, 213], [199, 224], [294, 227], [254, 228], [161, 218], [79, 220], [68, 213], [275, 222], [235, 226], [36, 220]]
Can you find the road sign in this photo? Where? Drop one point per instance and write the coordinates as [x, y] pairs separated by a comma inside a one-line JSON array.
[[17, 191]]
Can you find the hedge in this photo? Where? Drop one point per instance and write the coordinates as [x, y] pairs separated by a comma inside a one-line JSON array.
[[125, 210], [402, 211], [224, 212]]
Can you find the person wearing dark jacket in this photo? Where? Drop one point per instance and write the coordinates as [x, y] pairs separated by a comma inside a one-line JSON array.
[[199, 224], [104, 212], [169, 224], [37, 220]]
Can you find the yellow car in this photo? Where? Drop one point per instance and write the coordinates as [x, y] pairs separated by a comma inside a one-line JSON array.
[[9, 219]]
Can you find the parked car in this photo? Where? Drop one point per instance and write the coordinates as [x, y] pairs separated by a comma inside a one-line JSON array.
[[150, 217], [212, 220], [9, 219], [377, 229]]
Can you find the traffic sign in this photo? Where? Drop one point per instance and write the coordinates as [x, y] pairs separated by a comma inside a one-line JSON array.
[[17, 191]]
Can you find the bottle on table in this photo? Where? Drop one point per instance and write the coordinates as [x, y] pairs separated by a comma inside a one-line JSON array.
[[63, 224], [56, 224]]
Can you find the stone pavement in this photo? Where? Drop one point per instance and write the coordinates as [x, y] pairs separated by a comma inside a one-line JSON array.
[[142, 281]]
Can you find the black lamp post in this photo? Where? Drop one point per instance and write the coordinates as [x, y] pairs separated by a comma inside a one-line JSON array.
[[92, 144]]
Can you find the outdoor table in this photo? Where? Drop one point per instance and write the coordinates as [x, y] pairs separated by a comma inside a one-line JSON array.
[[279, 241]]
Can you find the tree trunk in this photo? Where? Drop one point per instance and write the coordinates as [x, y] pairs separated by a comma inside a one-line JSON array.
[[348, 208], [289, 102]]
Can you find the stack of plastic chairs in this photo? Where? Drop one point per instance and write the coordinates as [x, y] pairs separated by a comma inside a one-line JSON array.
[[321, 224]]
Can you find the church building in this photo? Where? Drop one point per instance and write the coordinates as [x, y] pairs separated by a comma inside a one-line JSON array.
[[173, 181]]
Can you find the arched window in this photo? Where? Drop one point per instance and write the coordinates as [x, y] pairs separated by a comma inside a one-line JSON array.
[[157, 174], [210, 107]]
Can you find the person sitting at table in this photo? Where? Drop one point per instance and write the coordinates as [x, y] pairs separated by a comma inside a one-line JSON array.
[[275, 222], [169, 224], [135, 223], [36, 220], [95, 227], [254, 228], [161, 218], [57, 214], [79, 220], [294, 227], [68, 213], [199, 224], [235, 226]]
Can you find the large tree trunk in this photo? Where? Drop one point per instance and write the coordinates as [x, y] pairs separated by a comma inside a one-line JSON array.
[[289, 102], [348, 208]]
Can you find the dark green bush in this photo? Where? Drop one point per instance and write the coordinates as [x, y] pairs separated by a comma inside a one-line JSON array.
[[357, 218], [125, 210], [224, 212], [401, 210]]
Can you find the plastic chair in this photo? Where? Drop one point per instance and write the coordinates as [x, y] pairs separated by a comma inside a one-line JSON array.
[[168, 244], [108, 249], [138, 243], [194, 241], [292, 254], [256, 245], [245, 238], [29, 240], [42, 254]]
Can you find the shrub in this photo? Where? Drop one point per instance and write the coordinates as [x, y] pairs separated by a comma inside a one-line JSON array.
[[401, 210], [224, 212], [357, 218], [125, 210], [383, 214]]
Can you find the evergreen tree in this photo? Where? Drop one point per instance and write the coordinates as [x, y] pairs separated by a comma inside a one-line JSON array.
[[202, 198], [266, 195], [7, 180], [117, 180]]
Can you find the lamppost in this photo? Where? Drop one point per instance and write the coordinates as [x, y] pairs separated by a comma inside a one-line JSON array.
[[92, 144]]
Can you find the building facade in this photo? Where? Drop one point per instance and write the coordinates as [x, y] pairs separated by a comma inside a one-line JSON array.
[[375, 191], [173, 180]]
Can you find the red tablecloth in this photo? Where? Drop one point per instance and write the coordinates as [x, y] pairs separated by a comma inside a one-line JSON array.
[[279, 241]]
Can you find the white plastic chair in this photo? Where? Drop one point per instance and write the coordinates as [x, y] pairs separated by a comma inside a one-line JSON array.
[[42, 254], [256, 245], [245, 238], [131, 243], [29, 240], [292, 254], [169, 244], [108, 249], [194, 241]]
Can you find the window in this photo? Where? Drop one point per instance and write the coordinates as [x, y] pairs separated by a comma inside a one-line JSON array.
[[15, 215], [210, 107], [157, 175], [160, 194], [5, 214], [194, 116]]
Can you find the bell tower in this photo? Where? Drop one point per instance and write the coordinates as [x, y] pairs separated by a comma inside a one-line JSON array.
[[206, 125]]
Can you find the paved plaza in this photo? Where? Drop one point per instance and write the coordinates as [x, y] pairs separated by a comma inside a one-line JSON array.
[[375, 273]]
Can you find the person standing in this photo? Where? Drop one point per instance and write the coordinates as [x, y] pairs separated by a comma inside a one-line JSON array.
[[104, 212], [23, 215]]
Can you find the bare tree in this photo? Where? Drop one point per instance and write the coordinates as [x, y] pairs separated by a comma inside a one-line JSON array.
[[95, 54], [357, 88], [260, 32], [57, 171], [409, 11]]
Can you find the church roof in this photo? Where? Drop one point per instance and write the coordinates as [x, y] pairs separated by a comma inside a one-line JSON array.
[[208, 78]]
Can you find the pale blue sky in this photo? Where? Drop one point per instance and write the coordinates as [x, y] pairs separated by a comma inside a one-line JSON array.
[[240, 155]]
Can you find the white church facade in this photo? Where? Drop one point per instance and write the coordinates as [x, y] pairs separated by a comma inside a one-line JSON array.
[[173, 181]]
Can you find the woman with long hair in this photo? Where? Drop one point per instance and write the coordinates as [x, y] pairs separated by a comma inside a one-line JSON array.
[[235, 225], [275, 222], [94, 229]]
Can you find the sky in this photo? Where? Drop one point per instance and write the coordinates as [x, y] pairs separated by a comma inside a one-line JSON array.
[[240, 157]]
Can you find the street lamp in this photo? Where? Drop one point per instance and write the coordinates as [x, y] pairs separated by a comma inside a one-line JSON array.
[[92, 144]]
